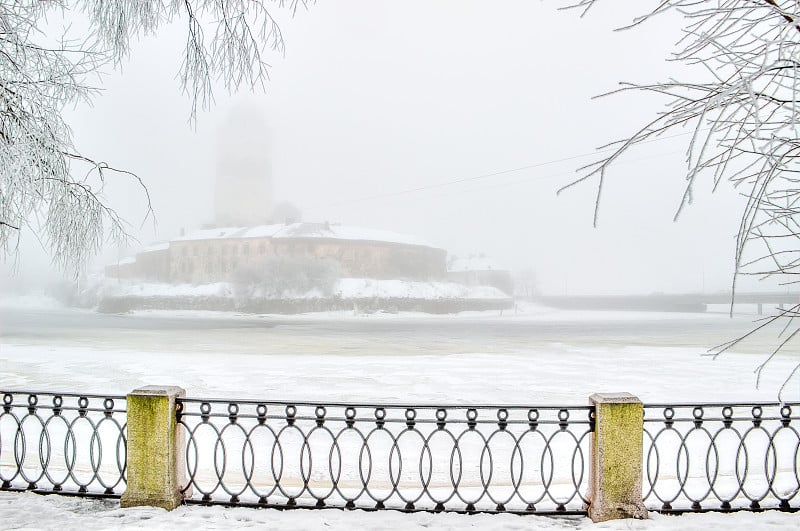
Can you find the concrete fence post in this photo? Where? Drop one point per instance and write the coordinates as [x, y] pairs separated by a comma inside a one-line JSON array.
[[155, 449], [615, 489]]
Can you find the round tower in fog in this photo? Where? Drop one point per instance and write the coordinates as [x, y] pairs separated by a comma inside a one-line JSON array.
[[243, 191]]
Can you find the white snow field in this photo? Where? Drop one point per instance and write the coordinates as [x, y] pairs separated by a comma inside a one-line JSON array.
[[31, 511], [534, 357]]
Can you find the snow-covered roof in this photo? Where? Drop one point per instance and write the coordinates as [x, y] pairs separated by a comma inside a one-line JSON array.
[[262, 231], [213, 234], [474, 263], [157, 246], [305, 230]]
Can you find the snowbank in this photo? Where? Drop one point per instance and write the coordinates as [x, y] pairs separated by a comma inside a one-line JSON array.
[[123, 288], [361, 288], [346, 288]]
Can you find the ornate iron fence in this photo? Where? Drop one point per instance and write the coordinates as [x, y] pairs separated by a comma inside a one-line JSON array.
[[528, 460], [721, 457], [532, 460], [63, 443]]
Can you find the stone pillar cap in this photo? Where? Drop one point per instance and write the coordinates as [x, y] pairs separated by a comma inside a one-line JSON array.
[[614, 398], [159, 390]]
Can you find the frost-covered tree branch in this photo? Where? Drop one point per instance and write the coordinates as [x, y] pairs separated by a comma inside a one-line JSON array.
[[47, 185], [743, 117], [743, 112], [226, 40]]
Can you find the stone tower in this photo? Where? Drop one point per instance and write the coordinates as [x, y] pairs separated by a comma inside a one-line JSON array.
[[243, 191]]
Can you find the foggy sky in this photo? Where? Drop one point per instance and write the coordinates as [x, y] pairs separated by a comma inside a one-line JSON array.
[[374, 98]]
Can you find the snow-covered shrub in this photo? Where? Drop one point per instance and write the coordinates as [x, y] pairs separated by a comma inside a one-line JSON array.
[[286, 277]]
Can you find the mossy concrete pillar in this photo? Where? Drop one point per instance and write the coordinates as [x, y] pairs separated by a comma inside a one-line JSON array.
[[615, 490], [156, 449]]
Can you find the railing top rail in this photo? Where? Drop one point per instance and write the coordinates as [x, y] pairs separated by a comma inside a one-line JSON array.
[[387, 405], [398, 405], [58, 393], [720, 404]]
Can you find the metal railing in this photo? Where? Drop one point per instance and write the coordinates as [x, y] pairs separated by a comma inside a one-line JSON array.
[[519, 459], [721, 457], [532, 460], [63, 443]]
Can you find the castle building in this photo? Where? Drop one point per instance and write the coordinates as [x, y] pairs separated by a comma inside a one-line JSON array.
[[246, 238], [243, 184], [216, 254]]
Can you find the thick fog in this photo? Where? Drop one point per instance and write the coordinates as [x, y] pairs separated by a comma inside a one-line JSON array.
[[455, 122]]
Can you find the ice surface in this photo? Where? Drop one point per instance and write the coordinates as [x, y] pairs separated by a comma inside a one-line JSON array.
[[538, 356]]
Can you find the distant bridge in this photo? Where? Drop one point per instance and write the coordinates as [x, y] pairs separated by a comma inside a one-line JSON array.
[[663, 302]]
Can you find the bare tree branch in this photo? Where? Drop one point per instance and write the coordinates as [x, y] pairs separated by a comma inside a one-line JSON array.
[[47, 185], [745, 121]]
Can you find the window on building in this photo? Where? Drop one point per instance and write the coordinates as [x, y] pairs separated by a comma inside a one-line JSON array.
[[262, 248], [245, 249]]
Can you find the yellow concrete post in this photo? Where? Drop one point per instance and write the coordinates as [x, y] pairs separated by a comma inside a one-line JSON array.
[[615, 490], [156, 450]]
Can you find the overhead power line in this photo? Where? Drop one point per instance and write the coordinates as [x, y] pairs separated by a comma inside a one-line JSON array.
[[490, 175]]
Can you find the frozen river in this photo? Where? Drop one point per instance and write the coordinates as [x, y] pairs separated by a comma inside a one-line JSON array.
[[362, 335], [536, 357], [539, 355]]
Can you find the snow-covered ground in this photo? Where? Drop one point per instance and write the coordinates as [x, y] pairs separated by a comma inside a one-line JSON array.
[[121, 288], [31, 511], [345, 288], [354, 288], [30, 300], [536, 356]]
